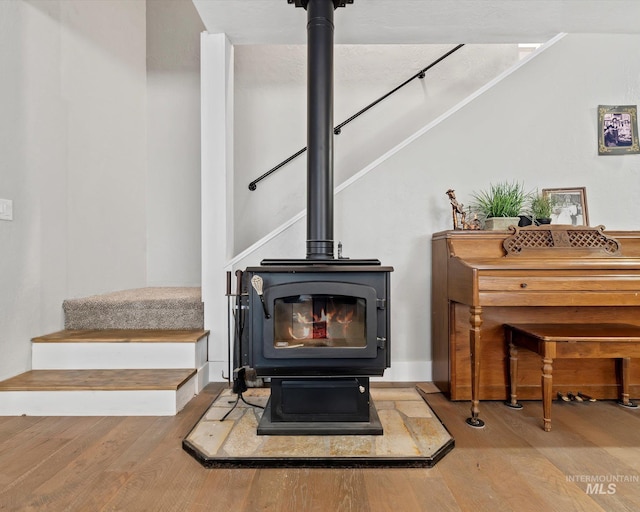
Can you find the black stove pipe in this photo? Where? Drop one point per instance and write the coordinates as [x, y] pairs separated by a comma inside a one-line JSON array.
[[320, 129]]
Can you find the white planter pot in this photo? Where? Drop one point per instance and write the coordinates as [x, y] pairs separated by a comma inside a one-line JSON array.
[[500, 223]]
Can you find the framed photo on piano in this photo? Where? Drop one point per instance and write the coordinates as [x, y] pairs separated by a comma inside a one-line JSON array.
[[570, 205]]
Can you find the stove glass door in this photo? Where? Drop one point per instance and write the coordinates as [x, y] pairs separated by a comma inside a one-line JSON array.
[[319, 320]]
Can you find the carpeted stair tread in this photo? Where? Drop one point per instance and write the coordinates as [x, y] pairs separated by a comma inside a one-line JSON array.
[[139, 308], [105, 380], [123, 336], [167, 297]]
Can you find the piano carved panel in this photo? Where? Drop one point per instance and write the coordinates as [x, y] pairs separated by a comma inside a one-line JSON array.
[[555, 241]]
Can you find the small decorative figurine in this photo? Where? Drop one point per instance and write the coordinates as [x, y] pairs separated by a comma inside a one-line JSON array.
[[457, 209], [459, 215], [474, 224]]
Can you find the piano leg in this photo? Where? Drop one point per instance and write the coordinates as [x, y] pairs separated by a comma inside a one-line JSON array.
[[474, 338], [623, 369]]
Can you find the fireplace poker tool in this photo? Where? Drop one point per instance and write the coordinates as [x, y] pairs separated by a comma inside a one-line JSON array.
[[229, 313], [239, 387], [256, 282], [239, 373]]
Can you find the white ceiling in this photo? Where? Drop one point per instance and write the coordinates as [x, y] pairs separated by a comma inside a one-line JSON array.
[[422, 21]]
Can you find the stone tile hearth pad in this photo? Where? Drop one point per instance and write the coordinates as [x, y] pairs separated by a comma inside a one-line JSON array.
[[413, 436]]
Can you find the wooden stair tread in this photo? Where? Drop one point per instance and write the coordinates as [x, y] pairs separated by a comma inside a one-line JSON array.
[[123, 336], [103, 380]]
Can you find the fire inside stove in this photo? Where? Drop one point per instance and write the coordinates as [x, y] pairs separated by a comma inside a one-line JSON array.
[[306, 321]]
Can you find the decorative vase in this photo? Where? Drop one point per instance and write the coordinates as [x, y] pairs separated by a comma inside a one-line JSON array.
[[500, 223]]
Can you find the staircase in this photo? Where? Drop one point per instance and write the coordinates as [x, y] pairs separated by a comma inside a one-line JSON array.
[[139, 352]]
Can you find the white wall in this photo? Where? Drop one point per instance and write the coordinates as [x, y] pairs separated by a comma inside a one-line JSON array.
[[72, 158], [19, 274], [537, 125], [173, 143], [103, 73], [270, 107]]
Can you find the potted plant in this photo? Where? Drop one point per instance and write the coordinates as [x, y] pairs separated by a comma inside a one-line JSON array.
[[541, 208], [500, 205]]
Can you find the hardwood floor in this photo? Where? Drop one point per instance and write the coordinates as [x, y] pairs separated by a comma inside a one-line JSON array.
[[137, 464]]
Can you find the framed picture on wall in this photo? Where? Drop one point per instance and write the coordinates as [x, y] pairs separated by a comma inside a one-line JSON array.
[[570, 205], [618, 130]]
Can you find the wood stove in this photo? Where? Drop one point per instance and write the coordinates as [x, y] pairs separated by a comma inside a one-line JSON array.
[[319, 331], [318, 327]]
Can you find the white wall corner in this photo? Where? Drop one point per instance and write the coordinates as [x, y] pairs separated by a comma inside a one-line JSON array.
[[407, 371], [217, 184]]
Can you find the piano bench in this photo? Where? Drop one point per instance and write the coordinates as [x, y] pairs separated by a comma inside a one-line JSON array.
[[577, 341]]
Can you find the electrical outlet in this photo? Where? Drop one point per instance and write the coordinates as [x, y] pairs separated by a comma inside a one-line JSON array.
[[6, 209]]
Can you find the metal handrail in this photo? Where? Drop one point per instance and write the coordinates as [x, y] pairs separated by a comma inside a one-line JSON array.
[[338, 128]]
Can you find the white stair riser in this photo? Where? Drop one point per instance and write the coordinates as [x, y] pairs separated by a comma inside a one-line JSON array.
[[88, 403], [97, 402], [109, 356]]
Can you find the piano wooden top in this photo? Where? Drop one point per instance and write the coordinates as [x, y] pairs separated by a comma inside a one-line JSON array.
[[480, 271], [481, 245]]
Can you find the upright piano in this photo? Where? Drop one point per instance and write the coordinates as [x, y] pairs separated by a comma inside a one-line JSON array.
[[555, 273]]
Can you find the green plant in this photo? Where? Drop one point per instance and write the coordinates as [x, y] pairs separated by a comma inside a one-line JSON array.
[[504, 199], [542, 206]]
